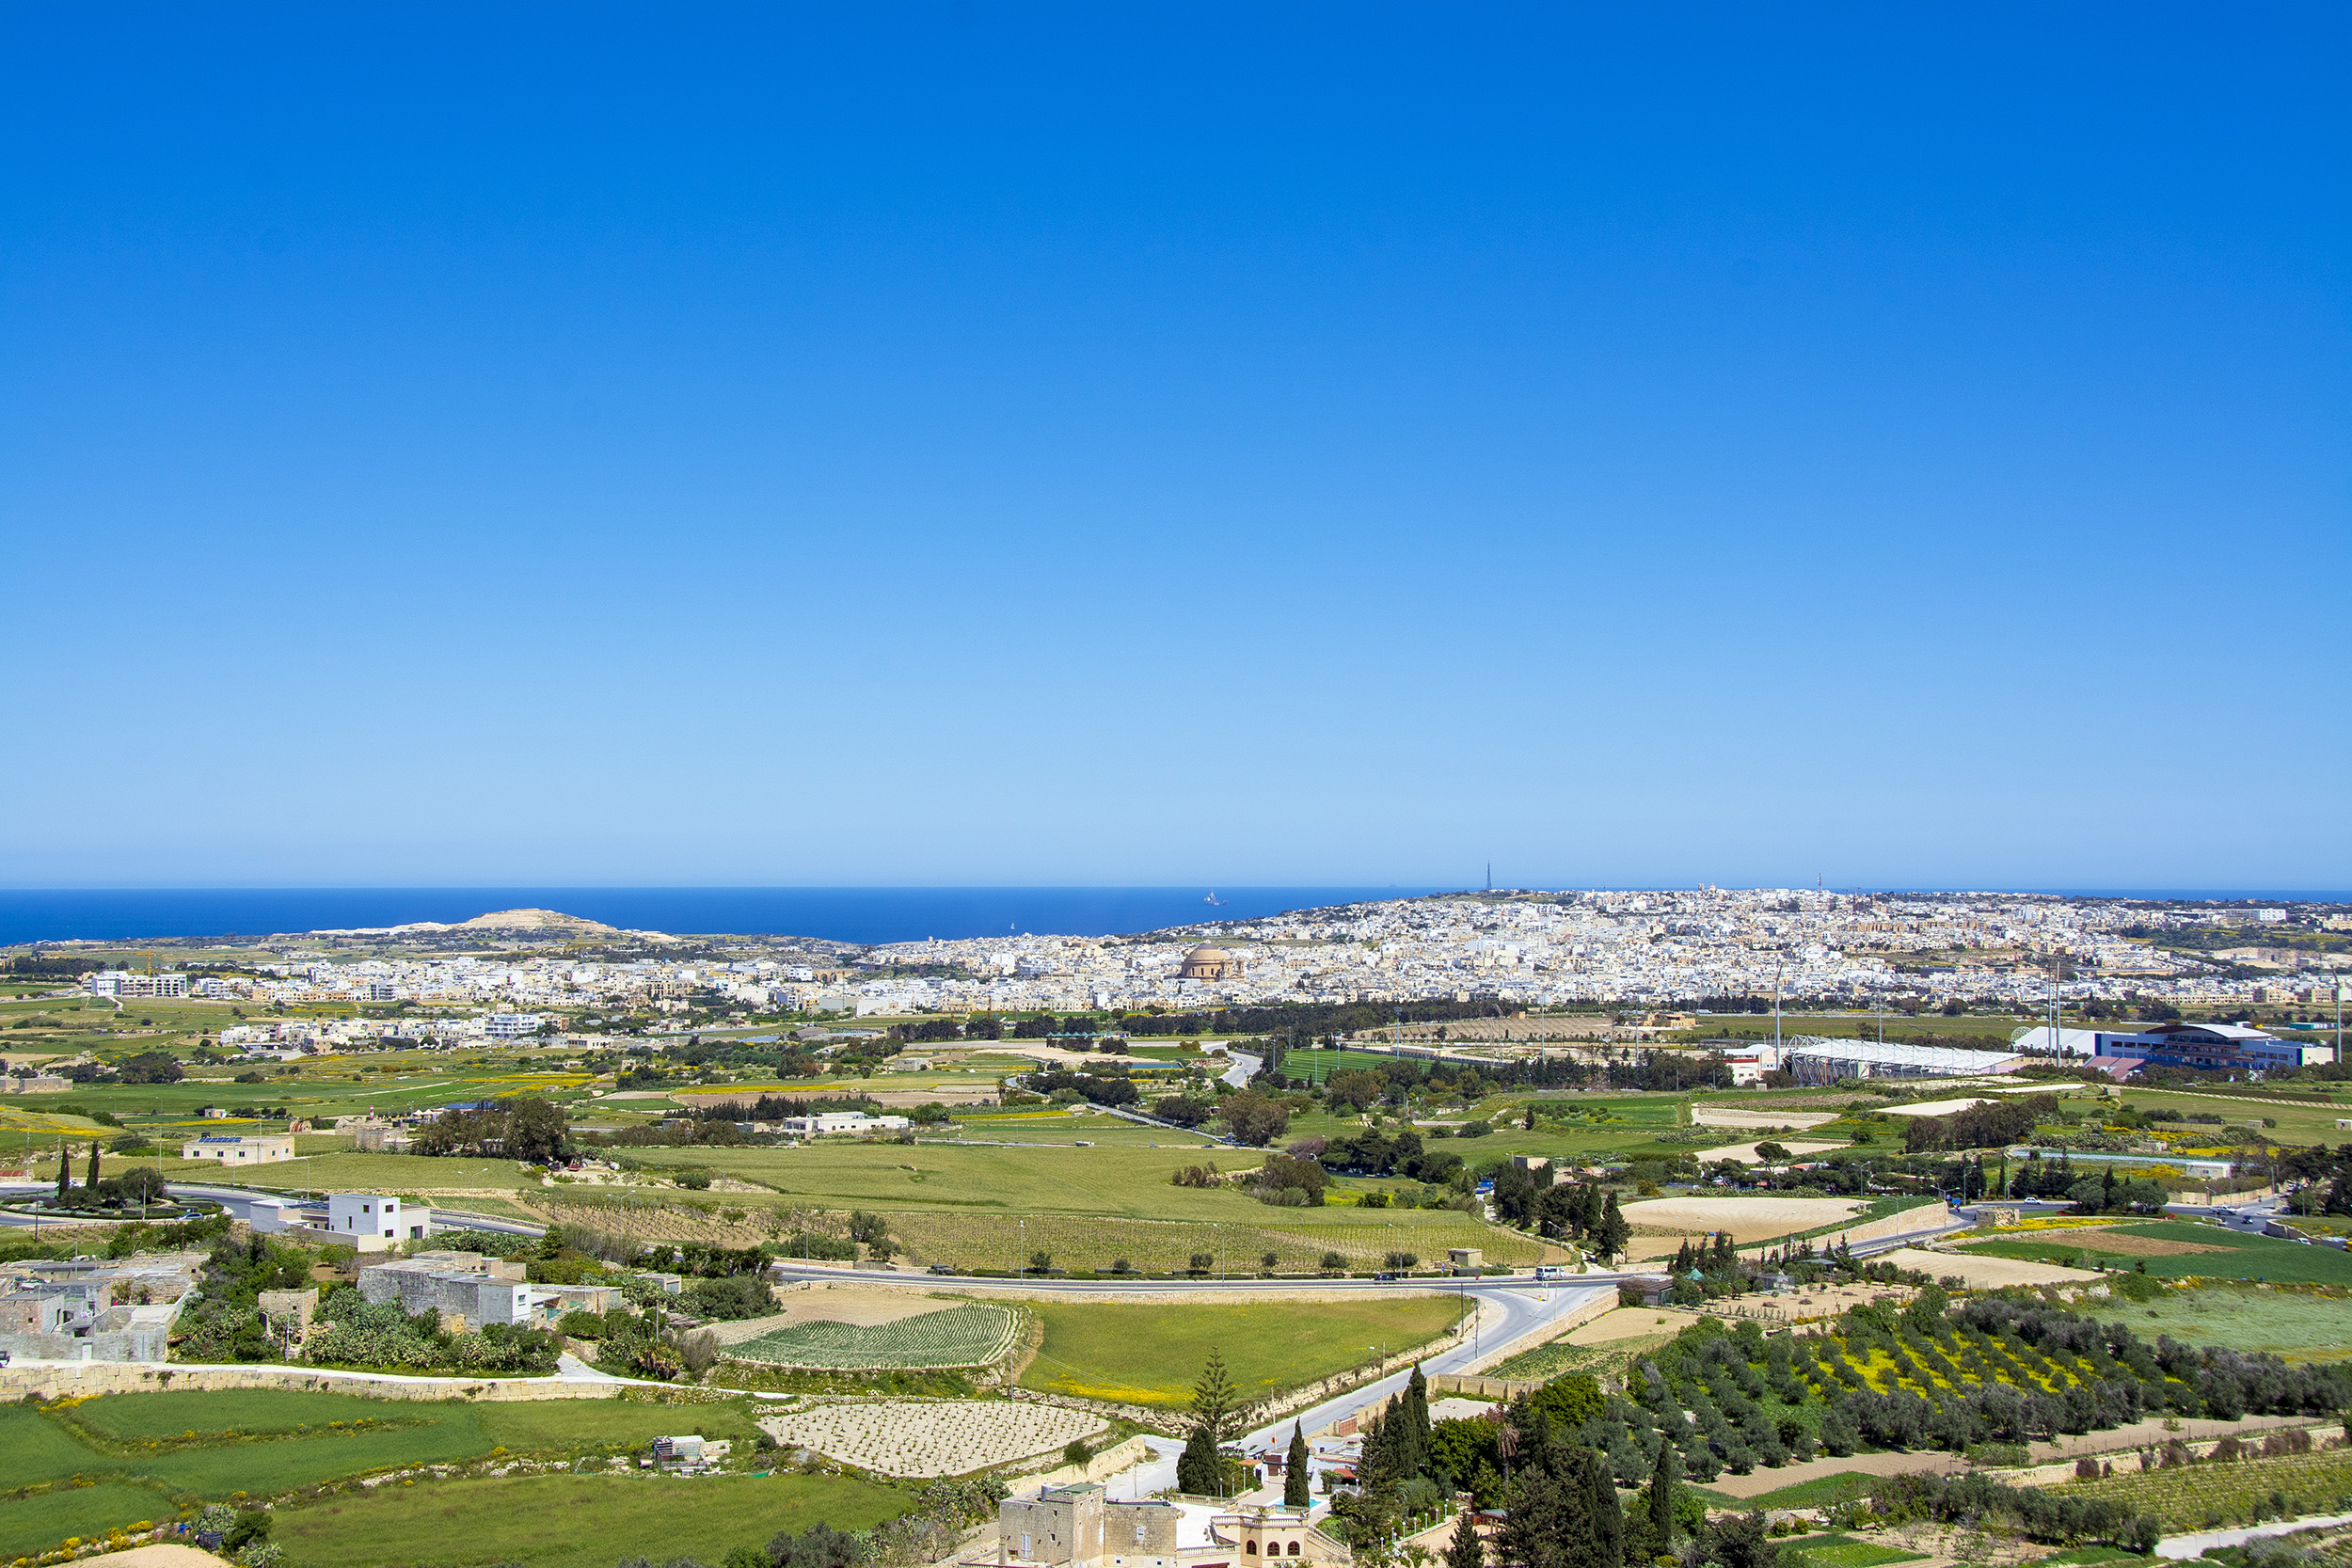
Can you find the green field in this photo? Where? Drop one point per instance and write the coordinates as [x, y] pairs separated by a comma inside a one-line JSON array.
[[2296, 1124], [1560, 1358], [46, 1519], [146, 1453], [972, 1335], [1821, 1490], [2237, 1256], [521, 1425], [2289, 1323], [571, 1521], [390, 1173], [1299, 1238], [1023, 1125], [1151, 1354], [1844, 1551], [946, 1176]]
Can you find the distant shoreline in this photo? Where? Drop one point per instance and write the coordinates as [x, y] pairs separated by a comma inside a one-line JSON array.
[[860, 915]]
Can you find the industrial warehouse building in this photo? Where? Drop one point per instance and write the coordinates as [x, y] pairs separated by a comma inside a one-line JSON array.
[[1811, 1059], [2209, 1048]]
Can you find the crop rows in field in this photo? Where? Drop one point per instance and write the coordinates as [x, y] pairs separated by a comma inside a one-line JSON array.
[[993, 1241], [2212, 1496], [975, 1335], [930, 1437], [729, 1220]]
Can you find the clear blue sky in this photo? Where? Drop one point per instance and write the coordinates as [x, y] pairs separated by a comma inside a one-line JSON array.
[[482, 444]]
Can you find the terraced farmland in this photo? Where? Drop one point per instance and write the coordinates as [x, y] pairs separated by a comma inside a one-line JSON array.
[[2211, 1495], [973, 1335]]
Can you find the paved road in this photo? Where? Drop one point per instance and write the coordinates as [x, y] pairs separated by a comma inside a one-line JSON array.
[[1511, 1314], [2182, 1548]]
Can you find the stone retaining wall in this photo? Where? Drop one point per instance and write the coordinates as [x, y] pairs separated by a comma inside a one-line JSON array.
[[1603, 1301], [1110, 1462], [2132, 1460]]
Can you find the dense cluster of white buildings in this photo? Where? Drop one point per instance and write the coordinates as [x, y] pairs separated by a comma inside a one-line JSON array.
[[474, 1002], [1619, 948], [1627, 948]]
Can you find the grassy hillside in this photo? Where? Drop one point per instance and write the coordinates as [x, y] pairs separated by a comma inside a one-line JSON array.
[[114, 1462]]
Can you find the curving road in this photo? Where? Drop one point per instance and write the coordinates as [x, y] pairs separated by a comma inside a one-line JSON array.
[[1523, 1310]]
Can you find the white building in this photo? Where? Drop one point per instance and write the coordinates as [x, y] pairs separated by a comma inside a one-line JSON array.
[[511, 1026], [373, 1222], [118, 982], [255, 1149], [824, 1122]]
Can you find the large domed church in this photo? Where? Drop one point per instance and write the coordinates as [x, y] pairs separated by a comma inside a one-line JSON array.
[[1209, 964]]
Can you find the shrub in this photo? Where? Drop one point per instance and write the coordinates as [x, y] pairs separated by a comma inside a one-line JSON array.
[[738, 1296]]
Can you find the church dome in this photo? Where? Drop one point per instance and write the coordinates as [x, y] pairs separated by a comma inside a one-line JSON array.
[[1206, 963]]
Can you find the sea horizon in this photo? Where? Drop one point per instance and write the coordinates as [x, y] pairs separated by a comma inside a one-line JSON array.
[[851, 914]]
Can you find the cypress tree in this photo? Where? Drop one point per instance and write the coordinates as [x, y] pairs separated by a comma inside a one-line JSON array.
[[1603, 1545], [1564, 1510], [93, 1164], [1412, 1440], [1662, 1497], [1613, 1232], [1541, 1525], [1376, 1466], [1465, 1550], [65, 1174], [1296, 1485], [1198, 1470]]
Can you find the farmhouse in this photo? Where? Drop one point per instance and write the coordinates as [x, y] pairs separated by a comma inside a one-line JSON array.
[[85, 1309], [827, 1123], [373, 1222], [465, 1298], [253, 1148]]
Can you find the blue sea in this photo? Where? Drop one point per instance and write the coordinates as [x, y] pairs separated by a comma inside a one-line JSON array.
[[842, 914]]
